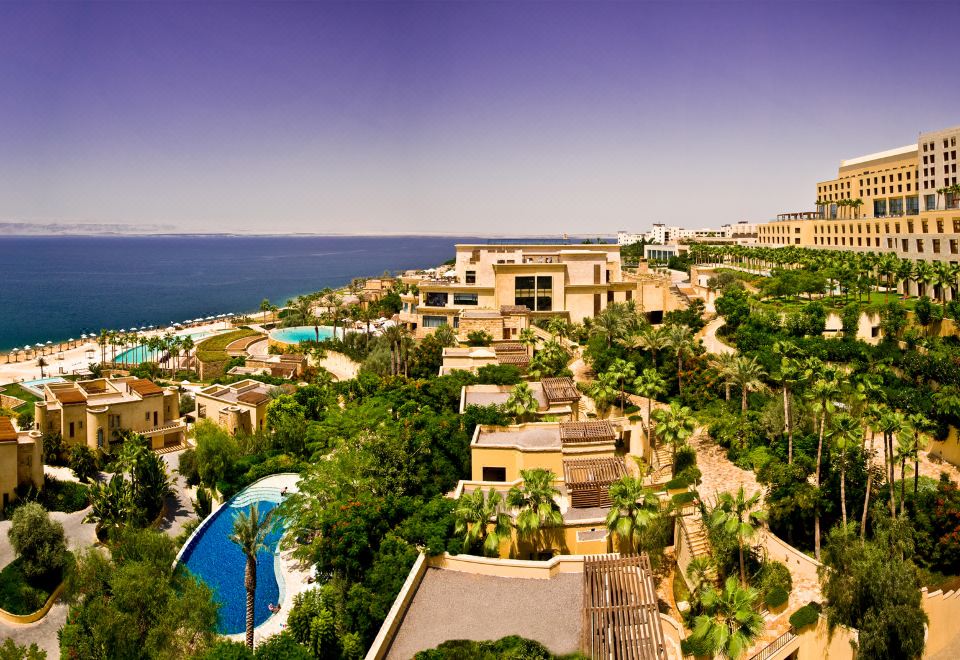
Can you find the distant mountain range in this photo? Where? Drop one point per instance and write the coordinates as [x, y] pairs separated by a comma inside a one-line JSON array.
[[79, 229]]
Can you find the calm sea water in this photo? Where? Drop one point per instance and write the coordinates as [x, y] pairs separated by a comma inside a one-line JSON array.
[[53, 288]]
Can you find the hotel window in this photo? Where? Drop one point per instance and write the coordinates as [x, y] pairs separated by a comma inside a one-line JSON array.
[[471, 277], [936, 246], [904, 247], [920, 245], [465, 299], [939, 226], [534, 292], [434, 321], [925, 226], [954, 247], [435, 299], [71, 429], [930, 202]]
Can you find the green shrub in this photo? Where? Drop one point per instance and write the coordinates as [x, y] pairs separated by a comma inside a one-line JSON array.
[[681, 499], [83, 462], [188, 467], [225, 649], [773, 575], [686, 457], [39, 542], [282, 647], [776, 597], [805, 616], [677, 482], [17, 595]]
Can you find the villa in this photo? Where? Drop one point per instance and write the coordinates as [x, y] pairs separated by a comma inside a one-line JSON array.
[[95, 412], [491, 285], [238, 408], [288, 365], [471, 358], [556, 397], [21, 459]]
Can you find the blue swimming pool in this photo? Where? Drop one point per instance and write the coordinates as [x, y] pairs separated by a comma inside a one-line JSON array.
[[139, 354], [300, 333], [218, 561], [35, 387]]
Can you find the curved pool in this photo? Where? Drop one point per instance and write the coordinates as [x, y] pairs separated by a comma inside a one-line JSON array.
[[218, 561], [299, 333]]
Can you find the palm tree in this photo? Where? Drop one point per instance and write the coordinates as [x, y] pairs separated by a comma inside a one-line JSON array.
[[334, 304], [610, 323], [874, 417], [729, 625], [528, 338], [41, 363], [473, 514], [790, 374], [187, 345], [650, 338], [920, 427], [559, 327], [702, 573], [824, 392], [621, 371], [603, 391], [103, 339], [650, 384], [893, 424], [674, 425], [680, 341], [845, 434], [250, 532], [923, 274], [521, 403], [265, 307], [747, 374], [633, 509], [534, 500], [738, 516]]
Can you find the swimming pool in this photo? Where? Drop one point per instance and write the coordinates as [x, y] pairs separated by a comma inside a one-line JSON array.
[[218, 561], [35, 387], [139, 354], [300, 333]]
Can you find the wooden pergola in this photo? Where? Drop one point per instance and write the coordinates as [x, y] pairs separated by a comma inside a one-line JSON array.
[[620, 616], [575, 433], [560, 390], [588, 479]]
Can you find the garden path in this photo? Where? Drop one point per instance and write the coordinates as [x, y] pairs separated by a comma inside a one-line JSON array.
[[180, 501], [709, 337]]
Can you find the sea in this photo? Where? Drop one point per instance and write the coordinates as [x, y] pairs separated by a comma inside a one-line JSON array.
[[56, 287]]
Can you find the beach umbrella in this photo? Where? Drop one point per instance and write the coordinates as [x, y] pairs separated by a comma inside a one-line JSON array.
[[49, 342]]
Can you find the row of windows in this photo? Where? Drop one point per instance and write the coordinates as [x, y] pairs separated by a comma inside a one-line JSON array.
[[947, 142]]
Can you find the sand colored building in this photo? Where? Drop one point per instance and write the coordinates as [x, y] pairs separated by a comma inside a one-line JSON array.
[[238, 408], [500, 280], [556, 397], [21, 459], [95, 412], [896, 201], [471, 358]]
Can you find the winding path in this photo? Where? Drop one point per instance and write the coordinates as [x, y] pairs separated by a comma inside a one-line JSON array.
[[709, 337]]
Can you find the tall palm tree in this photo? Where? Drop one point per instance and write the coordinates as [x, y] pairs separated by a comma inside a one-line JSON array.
[[559, 327], [723, 364], [872, 417], [824, 392], [250, 531], [730, 624], [845, 434], [650, 338], [610, 324], [265, 307], [650, 384], [528, 338], [923, 274], [920, 426], [747, 374], [633, 509], [521, 403], [680, 341], [738, 516], [674, 425], [41, 363], [894, 424], [473, 514], [789, 374], [334, 304], [536, 507]]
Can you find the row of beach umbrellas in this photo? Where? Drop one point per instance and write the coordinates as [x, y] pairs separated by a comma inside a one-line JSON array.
[[86, 336]]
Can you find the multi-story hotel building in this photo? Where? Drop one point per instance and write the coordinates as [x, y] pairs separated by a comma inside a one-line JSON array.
[[501, 282], [95, 412], [238, 408], [890, 201]]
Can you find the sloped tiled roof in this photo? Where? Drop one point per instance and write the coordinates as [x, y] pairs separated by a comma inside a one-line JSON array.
[[7, 432], [144, 387], [253, 398]]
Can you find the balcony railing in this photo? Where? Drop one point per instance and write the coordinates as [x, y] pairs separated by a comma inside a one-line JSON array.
[[771, 649]]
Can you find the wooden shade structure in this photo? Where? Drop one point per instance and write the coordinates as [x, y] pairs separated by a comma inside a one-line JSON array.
[[588, 479], [576, 433], [620, 616], [560, 390]]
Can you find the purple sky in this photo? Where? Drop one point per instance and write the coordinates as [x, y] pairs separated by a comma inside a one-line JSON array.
[[455, 117]]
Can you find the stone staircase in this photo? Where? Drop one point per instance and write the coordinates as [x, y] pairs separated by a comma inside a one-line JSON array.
[[661, 464], [697, 534]]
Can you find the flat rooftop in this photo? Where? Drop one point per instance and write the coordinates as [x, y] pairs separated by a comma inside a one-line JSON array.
[[527, 436], [251, 392], [497, 395], [457, 605]]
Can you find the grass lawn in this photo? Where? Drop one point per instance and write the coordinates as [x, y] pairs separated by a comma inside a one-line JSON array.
[[14, 389], [680, 591], [21, 596], [214, 349]]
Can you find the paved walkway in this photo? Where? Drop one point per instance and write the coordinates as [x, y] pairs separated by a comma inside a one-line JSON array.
[[709, 337], [180, 502], [43, 632]]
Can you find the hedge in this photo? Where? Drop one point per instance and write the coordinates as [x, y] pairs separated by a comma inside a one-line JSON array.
[[776, 597], [805, 616], [683, 498]]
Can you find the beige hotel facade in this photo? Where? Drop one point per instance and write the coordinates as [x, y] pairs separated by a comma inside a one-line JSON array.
[[900, 209]]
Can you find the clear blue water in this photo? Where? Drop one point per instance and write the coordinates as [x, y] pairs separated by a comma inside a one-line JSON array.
[[57, 287], [36, 386], [303, 333], [139, 354], [218, 561]]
